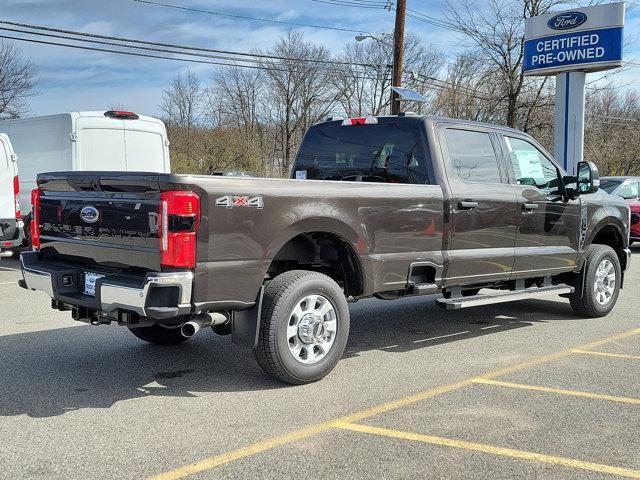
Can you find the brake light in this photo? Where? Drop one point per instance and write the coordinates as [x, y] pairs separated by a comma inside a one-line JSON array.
[[359, 121], [35, 218], [16, 195], [179, 221], [122, 114]]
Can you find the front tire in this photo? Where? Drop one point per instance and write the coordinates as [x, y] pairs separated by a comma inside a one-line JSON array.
[[159, 335], [304, 327], [602, 281]]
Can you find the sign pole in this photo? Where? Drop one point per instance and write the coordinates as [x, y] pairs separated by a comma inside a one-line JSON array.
[[569, 119]]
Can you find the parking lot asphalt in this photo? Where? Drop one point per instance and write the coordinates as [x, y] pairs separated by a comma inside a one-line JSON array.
[[522, 390]]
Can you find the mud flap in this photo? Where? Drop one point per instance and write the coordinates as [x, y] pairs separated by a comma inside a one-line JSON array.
[[245, 324]]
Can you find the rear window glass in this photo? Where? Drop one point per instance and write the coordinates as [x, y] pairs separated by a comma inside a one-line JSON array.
[[609, 185], [391, 153], [472, 156]]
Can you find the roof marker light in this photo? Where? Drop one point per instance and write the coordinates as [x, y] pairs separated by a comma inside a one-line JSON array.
[[360, 121], [121, 114]]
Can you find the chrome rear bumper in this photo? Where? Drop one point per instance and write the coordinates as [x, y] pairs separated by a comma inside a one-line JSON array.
[[140, 295]]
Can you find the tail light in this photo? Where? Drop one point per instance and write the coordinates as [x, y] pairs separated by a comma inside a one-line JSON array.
[[35, 218], [179, 220], [16, 195]]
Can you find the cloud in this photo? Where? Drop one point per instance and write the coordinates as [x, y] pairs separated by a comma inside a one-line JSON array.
[[74, 79]]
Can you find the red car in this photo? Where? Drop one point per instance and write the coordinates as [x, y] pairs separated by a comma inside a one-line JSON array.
[[635, 221]]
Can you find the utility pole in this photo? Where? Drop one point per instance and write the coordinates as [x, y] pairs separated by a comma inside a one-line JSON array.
[[398, 53]]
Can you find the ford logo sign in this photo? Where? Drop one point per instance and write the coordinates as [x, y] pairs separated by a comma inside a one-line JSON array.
[[567, 21], [89, 214]]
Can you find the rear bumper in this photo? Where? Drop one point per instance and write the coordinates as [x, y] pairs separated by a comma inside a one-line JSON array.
[[156, 295]]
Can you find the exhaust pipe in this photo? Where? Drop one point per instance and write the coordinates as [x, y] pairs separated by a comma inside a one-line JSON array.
[[202, 320], [6, 253]]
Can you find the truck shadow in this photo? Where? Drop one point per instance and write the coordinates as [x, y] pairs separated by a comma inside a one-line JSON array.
[[49, 373], [421, 324]]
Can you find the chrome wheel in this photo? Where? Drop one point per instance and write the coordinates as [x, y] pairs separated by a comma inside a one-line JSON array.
[[605, 282], [311, 331]]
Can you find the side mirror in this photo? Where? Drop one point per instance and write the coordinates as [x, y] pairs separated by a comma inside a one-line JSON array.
[[588, 178]]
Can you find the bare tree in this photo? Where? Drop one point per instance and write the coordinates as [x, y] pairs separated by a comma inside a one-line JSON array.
[[299, 92], [363, 85], [17, 81], [612, 131], [184, 101], [497, 34], [469, 94]]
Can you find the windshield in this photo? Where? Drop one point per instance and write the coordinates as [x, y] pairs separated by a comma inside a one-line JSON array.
[[609, 185], [367, 153]]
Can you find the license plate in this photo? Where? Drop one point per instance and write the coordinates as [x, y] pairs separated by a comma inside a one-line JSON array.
[[90, 283]]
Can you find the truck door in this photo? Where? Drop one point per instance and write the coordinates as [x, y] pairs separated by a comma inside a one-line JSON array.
[[8, 174], [548, 226], [481, 233]]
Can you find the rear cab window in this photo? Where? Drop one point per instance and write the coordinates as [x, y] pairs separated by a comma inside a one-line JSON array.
[[472, 156], [384, 152]]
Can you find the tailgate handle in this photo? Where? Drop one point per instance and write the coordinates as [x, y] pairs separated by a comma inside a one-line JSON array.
[[530, 207], [467, 205]]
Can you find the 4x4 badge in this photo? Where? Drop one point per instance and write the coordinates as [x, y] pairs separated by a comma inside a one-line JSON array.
[[230, 201]]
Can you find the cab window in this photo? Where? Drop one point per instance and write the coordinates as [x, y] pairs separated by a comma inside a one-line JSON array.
[[472, 156], [530, 166], [388, 153]]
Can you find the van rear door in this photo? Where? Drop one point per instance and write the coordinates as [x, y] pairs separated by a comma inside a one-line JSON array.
[[145, 147], [8, 191], [100, 144]]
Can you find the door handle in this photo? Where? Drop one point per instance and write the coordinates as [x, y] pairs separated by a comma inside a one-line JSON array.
[[467, 205], [530, 207]]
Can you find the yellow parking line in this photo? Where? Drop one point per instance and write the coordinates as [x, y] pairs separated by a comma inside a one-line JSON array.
[[562, 354], [233, 455], [559, 391], [299, 434], [491, 449], [606, 354]]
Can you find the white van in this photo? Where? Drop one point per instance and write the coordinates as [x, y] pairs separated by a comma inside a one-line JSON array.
[[95, 141], [10, 220]]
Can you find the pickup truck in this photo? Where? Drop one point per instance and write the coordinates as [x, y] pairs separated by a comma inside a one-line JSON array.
[[388, 207]]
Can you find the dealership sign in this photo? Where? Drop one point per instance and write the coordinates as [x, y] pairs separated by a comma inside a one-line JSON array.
[[585, 39]]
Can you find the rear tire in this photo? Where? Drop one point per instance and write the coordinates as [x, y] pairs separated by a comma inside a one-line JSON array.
[[304, 327], [602, 280], [159, 335]]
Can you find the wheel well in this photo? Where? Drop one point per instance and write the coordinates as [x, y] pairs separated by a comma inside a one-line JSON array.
[[611, 236], [325, 253]]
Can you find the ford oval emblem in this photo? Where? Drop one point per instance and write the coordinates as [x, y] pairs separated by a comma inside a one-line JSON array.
[[567, 21], [89, 214]]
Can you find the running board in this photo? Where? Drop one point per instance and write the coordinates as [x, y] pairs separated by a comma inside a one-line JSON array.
[[503, 296]]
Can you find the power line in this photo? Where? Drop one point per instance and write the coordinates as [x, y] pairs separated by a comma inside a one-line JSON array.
[[272, 68], [252, 61], [423, 17], [245, 17], [352, 4], [158, 44], [442, 85]]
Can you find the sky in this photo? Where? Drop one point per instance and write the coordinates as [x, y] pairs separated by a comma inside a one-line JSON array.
[[74, 80]]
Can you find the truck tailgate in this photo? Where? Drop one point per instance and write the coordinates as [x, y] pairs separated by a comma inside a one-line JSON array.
[[101, 220]]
